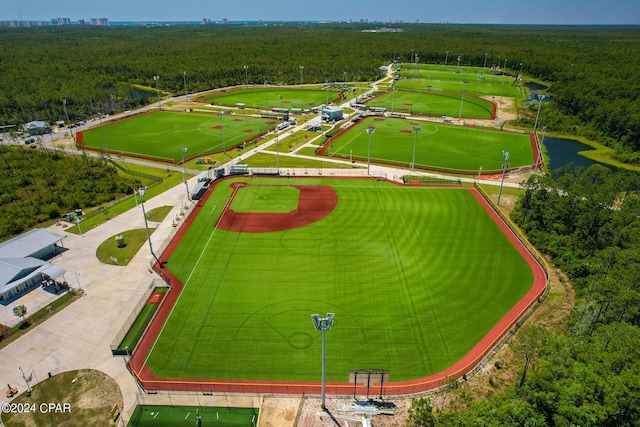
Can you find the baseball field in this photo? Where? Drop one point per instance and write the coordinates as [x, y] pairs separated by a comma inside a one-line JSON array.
[[438, 146], [418, 278], [162, 135]]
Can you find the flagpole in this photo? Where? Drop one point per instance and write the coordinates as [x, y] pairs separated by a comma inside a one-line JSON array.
[[25, 379]]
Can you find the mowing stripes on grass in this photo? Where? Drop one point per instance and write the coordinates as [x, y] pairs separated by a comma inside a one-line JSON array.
[[450, 148], [416, 277]]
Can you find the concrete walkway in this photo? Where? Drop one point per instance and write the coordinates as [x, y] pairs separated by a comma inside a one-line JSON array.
[[79, 336]]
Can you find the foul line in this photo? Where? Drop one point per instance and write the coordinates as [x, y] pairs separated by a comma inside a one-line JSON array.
[[215, 227]]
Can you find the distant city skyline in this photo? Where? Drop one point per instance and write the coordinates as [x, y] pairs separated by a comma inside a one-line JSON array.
[[551, 12]]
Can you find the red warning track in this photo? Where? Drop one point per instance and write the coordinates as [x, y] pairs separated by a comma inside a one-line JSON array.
[[152, 383]]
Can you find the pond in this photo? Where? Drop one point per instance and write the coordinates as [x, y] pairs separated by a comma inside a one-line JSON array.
[[563, 151]]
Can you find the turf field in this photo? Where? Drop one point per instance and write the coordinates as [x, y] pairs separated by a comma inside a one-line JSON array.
[[162, 135], [176, 416], [476, 81], [433, 104], [415, 276], [452, 148], [269, 96]]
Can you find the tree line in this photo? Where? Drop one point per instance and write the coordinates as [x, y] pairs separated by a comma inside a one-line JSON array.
[[588, 372], [592, 71], [41, 185]]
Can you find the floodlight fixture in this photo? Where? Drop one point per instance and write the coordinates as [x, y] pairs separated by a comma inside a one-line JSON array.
[[416, 129], [370, 131], [141, 192], [184, 172], [323, 325]]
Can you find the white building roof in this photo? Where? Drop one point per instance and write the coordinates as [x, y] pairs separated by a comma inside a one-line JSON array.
[[14, 271], [28, 243]]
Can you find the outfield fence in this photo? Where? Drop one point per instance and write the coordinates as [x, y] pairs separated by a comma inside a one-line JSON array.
[[155, 283]]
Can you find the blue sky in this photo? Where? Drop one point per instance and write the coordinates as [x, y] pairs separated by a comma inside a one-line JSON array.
[[604, 12]]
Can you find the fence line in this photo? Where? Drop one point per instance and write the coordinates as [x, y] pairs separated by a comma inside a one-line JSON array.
[[155, 283]]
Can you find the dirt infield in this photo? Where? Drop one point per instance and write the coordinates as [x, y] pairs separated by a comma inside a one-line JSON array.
[[306, 212], [314, 203]]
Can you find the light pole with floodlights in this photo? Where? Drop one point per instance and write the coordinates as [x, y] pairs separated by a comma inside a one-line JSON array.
[[266, 95], [535, 126], [184, 172], [461, 103], [224, 146], [64, 105], [184, 77], [416, 129], [301, 75], [323, 325], [156, 78], [446, 57], [539, 159], [505, 166], [485, 60], [370, 131], [141, 192], [246, 75]]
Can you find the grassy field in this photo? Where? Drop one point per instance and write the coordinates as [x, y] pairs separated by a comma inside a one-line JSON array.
[[80, 398], [438, 78], [269, 96], [438, 146], [433, 104], [416, 276], [162, 135], [176, 416], [134, 239]]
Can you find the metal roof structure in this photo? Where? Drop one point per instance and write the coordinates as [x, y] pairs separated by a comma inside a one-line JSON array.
[[14, 271], [28, 243]]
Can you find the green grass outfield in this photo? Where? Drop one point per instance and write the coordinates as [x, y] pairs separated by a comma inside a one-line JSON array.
[[176, 416], [476, 81], [415, 276], [450, 148], [433, 104], [269, 96], [162, 135]]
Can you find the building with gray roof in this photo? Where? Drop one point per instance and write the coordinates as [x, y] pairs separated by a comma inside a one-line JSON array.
[[23, 264]]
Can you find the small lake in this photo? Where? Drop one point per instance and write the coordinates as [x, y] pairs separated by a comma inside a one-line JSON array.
[[563, 151]]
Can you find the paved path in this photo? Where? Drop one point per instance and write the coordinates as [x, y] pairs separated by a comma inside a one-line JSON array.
[[78, 337]]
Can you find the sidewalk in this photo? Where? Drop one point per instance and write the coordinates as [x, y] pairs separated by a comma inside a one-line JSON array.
[[78, 337]]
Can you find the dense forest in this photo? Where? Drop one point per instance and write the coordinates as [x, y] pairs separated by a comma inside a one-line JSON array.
[[41, 185], [594, 73], [588, 373]]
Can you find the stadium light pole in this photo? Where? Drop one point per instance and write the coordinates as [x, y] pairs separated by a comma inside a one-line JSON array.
[[184, 172], [461, 102], [459, 59], [224, 146], [535, 125], [505, 166], [266, 95], [156, 78], [184, 77], [485, 60], [370, 131], [416, 129], [301, 75], [323, 324], [539, 157], [141, 192], [246, 75], [277, 150], [446, 57], [411, 55]]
